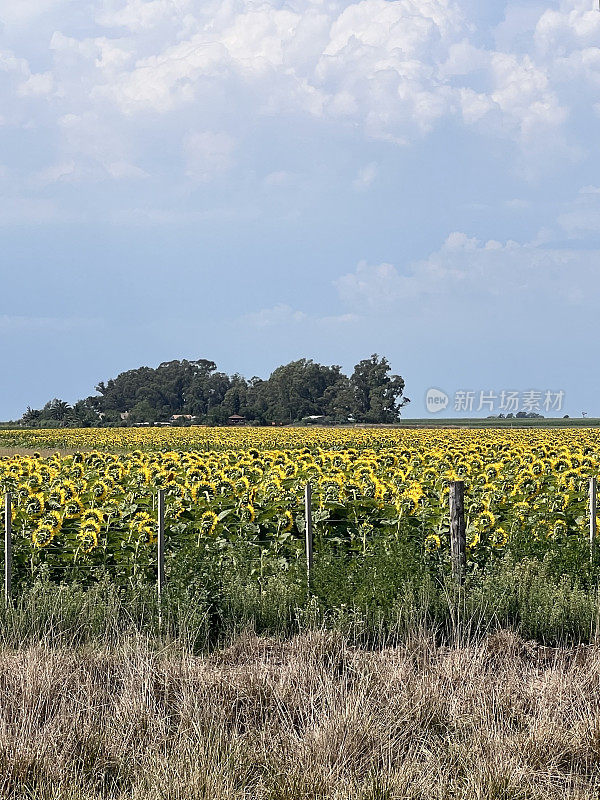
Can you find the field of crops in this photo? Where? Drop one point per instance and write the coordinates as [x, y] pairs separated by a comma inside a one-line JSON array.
[[229, 488]]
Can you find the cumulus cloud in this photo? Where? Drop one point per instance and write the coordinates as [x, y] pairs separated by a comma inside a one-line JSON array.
[[392, 70], [17, 15], [467, 272], [395, 68]]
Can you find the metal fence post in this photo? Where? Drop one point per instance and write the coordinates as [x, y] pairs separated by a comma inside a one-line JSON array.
[[458, 539], [161, 542], [7, 546], [308, 533]]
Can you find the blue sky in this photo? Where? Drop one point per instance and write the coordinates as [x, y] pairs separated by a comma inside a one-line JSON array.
[[255, 181]]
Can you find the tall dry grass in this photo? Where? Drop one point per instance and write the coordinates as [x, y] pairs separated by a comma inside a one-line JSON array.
[[310, 717]]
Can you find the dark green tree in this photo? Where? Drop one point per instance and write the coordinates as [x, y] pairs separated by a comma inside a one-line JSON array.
[[300, 389], [377, 395], [297, 390], [57, 410]]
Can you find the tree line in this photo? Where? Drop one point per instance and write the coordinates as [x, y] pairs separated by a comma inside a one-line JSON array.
[[293, 393]]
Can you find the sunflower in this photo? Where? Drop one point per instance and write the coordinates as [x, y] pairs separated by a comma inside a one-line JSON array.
[[473, 538], [407, 504], [92, 515], [527, 486], [498, 537], [69, 490], [42, 535], [208, 523], [54, 519], [34, 505], [286, 521], [558, 529], [100, 491], [73, 508], [485, 521], [57, 496], [150, 532], [88, 536], [432, 543], [35, 482]]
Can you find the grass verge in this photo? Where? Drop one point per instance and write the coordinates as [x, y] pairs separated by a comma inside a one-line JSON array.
[[306, 718]]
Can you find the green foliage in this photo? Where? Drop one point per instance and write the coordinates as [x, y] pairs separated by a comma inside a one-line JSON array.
[[381, 599], [293, 391]]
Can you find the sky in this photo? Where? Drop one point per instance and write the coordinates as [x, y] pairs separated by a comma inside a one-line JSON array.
[[256, 181]]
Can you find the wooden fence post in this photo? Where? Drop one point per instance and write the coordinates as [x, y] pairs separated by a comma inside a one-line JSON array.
[[458, 540], [308, 533], [593, 506], [7, 547], [161, 542]]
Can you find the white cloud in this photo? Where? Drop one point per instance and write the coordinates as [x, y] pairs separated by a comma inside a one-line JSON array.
[[123, 169], [208, 153], [279, 315], [393, 67], [40, 83], [142, 15], [581, 216], [575, 25], [63, 171], [392, 70], [283, 316], [366, 176], [374, 288], [282, 179], [24, 12], [91, 150], [466, 272]]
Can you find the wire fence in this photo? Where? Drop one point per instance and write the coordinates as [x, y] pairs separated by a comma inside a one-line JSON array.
[[306, 555]]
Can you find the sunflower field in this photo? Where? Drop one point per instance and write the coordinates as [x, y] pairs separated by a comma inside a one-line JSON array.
[[85, 500]]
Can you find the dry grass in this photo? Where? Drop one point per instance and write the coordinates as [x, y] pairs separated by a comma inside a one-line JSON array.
[[309, 718]]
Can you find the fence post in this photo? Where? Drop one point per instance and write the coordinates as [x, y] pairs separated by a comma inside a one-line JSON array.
[[308, 533], [458, 540], [7, 547], [161, 542], [593, 505]]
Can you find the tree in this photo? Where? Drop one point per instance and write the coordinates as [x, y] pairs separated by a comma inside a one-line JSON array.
[[293, 391], [57, 410], [339, 399], [297, 390], [31, 416], [83, 414], [235, 400], [207, 390], [375, 393], [173, 387]]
